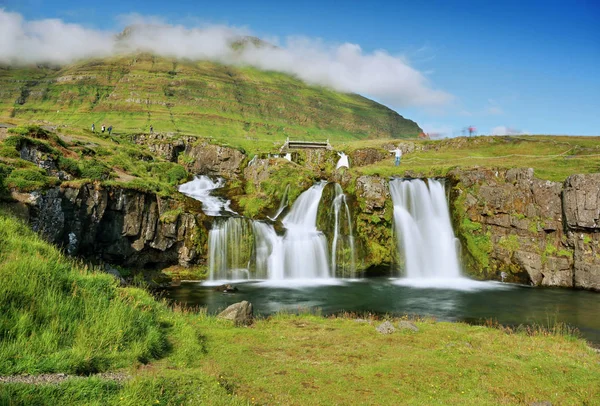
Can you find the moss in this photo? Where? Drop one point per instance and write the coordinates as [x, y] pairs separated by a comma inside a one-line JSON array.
[[587, 239], [565, 253], [170, 216], [509, 243]]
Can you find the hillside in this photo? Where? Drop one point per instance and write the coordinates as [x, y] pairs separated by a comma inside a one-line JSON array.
[[204, 98]]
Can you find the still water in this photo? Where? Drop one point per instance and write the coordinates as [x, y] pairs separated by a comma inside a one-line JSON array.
[[472, 302]]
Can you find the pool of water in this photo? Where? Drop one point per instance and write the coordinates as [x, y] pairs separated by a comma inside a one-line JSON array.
[[463, 300]]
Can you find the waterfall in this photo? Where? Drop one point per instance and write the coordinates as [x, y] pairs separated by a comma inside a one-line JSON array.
[[200, 189], [304, 247], [246, 249], [343, 161], [282, 204], [424, 232], [346, 241], [230, 244]]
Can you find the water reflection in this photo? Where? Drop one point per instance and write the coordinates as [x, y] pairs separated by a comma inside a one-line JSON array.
[[507, 304]]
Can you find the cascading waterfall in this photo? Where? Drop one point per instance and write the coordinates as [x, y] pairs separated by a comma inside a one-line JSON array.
[[345, 248], [230, 245], [244, 249], [426, 240], [200, 189], [283, 203], [304, 247]]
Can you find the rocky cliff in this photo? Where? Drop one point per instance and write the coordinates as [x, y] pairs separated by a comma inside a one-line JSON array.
[[510, 222], [116, 225], [538, 232]]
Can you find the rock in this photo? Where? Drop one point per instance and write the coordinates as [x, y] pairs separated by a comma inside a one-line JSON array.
[[374, 191], [209, 159], [226, 288], [368, 156], [116, 225], [581, 202], [240, 313], [407, 325], [386, 328]]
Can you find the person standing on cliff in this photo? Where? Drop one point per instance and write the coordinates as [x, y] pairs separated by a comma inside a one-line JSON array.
[[109, 130], [398, 154], [103, 128], [151, 129], [94, 128]]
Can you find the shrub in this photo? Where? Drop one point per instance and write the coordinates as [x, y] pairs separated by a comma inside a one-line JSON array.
[[28, 179], [93, 169]]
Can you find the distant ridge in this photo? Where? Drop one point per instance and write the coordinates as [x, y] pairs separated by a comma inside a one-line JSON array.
[[198, 97]]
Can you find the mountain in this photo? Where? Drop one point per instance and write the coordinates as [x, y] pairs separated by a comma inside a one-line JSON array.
[[132, 92]]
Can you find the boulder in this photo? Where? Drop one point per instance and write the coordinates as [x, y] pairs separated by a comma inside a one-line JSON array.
[[386, 328], [228, 288], [240, 313], [407, 325]]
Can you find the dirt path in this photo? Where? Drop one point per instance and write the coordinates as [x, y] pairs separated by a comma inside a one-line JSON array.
[[44, 379]]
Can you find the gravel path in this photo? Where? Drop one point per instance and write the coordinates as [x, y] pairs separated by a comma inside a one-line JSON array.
[[58, 378]]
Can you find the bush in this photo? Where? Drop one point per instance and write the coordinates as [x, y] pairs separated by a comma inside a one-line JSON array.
[[176, 174], [69, 165], [93, 169], [28, 179]]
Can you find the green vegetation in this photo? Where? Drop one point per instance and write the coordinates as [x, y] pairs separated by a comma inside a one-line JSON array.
[[227, 103], [552, 158], [57, 315]]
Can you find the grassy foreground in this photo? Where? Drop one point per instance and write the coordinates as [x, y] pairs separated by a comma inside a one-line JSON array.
[[58, 316]]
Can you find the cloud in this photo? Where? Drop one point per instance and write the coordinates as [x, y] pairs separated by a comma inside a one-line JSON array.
[[343, 67]]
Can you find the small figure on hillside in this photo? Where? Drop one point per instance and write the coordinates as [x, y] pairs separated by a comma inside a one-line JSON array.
[[151, 129], [103, 128], [398, 154], [109, 130], [93, 127]]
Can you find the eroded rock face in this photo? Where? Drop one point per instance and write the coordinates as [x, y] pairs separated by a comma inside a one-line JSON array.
[[117, 225], [209, 159], [582, 202], [516, 221]]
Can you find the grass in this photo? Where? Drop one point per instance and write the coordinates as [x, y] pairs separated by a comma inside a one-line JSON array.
[[552, 158], [60, 316], [132, 92]]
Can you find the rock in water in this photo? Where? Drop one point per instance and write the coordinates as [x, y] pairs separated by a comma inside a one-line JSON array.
[[386, 328], [407, 325], [241, 313]]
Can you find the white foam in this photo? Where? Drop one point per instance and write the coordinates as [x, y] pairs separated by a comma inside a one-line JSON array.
[[462, 284]]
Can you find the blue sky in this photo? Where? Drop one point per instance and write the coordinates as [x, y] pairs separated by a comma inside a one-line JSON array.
[[531, 66]]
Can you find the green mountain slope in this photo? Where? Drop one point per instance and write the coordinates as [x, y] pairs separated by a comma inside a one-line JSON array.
[[205, 98]]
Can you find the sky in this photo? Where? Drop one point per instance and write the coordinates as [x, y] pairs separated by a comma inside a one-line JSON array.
[[505, 67]]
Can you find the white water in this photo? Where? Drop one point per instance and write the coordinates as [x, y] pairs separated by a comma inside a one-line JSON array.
[[300, 255], [282, 204], [348, 269], [343, 161], [200, 189], [304, 247], [226, 240], [424, 233]]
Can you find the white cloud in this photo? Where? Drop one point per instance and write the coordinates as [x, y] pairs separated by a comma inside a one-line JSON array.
[[344, 67]]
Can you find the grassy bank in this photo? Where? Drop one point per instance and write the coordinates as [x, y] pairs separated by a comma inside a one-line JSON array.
[[59, 316]]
